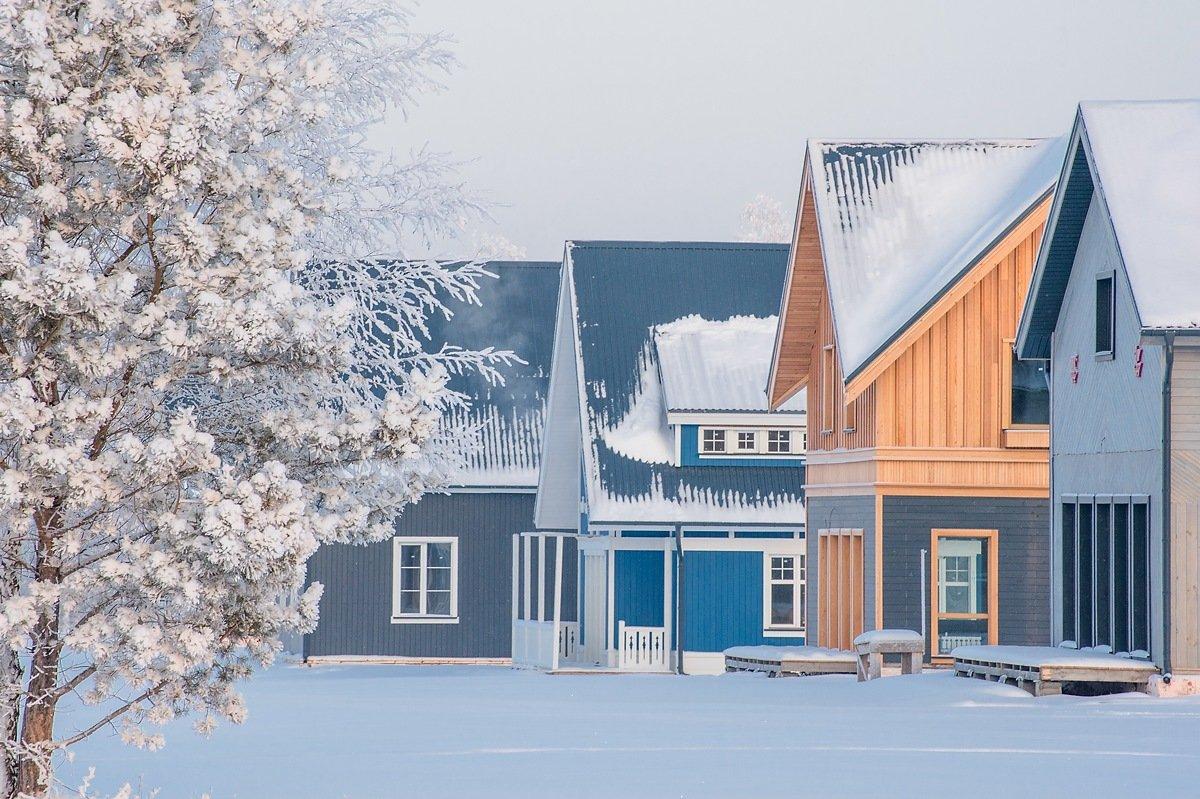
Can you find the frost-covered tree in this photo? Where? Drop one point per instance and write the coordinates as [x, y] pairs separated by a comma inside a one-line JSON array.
[[200, 378], [763, 220]]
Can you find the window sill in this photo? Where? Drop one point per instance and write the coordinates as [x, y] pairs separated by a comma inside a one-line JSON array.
[[1104, 356], [784, 632], [1027, 437], [424, 619]]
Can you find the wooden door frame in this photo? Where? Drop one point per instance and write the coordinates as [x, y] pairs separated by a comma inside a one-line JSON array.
[[993, 577]]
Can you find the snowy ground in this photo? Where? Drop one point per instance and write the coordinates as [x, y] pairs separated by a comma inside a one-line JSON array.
[[376, 731]]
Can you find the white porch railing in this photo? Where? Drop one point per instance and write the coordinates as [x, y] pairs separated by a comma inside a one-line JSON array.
[[533, 645], [642, 648]]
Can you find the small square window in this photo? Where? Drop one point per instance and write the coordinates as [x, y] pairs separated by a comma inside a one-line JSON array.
[[713, 440], [779, 441], [747, 441]]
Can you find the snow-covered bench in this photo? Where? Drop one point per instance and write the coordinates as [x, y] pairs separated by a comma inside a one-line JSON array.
[[871, 646], [778, 661], [1046, 670]]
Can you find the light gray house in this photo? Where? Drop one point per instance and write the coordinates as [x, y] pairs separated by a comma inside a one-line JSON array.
[[1115, 309], [441, 589]]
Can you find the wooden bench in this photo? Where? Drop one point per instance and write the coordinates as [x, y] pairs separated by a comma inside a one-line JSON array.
[[870, 647], [1049, 671], [789, 661]]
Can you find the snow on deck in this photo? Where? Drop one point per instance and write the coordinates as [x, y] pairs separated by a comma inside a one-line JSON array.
[[440, 732], [781, 653], [1147, 157], [900, 221], [718, 365], [1036, 657], [899, 636]]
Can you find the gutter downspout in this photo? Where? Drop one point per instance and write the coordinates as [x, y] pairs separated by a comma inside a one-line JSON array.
[[1169, 354], [679, 599]]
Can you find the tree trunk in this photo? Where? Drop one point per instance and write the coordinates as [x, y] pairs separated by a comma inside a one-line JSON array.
[[37, 726], [10, 716]]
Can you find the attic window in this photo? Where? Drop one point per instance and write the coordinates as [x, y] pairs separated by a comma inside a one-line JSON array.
[[779, 441], [713, 440], [1105, 316], [752, 441]]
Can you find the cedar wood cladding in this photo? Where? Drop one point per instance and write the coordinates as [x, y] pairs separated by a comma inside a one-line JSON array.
[[356, 609]]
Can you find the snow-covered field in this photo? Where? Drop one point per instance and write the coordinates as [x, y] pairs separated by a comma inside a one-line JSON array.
[[381, 731]]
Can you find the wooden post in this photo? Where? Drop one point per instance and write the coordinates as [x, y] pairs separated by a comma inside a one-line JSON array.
[[667, 555], [516, 587], [610, 596], [528, 582], [558, 559], [542, 577]]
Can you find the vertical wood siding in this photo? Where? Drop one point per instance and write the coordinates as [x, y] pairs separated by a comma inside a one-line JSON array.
[[863, 413], [802, 299], [1185, 511]]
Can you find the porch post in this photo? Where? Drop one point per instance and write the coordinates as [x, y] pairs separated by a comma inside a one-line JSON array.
[[528, 541], [558, 561], [516, 587], [542, 577], [668, 555], [610, 597]]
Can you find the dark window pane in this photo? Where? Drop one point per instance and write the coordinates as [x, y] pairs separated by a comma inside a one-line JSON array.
[[410, 601], [438, 579], [410, 579], [410, 555], [1069, 633], [439, 555], [437, 603], [1086, 585], [1104, 314], [1120, 534], [782, 604], [1103, 575], [1141, 572], [1030, 392]]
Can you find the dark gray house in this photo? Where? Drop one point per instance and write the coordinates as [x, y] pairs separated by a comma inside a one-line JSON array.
[[440, 590], [1115, 310]]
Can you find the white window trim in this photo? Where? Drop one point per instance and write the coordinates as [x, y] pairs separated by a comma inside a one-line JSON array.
[[761, 436], [799, 580], [423, 618]]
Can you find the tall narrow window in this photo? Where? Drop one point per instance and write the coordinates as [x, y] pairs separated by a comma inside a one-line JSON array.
[[785, 592], [1087, 574], [424, 580], [965, 574], [1030, 392], [828, 382], [1070, 582], [1105, 315]]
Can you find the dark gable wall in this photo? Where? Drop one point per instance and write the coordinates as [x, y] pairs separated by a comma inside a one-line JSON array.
[[356, 609], [1024, 569]]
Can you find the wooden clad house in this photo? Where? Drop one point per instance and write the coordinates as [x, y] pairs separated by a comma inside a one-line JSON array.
[[440, 589], [663, 463], [1115, 310], [926, 481]]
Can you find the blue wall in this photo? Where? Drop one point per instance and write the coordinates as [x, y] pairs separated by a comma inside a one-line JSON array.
[[639, 588], [723, 602], [689, 454]]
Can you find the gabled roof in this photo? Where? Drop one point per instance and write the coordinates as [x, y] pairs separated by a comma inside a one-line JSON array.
[[901, 222], [620, 293], [1145, 159], [516, 312], [714, 366]]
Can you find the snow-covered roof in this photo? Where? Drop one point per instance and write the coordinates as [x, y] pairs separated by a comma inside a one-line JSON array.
[[516, 312], [720, 365], [901, 221], [1144, 157], [622, 292], [1147, 162]]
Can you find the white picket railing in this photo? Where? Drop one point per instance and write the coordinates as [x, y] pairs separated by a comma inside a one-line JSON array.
[[533, 644], [642, 648]]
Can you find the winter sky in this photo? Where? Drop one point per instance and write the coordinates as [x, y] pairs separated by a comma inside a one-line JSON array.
[[660, 119]]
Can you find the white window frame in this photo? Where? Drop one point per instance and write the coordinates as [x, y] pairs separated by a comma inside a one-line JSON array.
[[1110, 353], [798, 581], [761, 448], [790, 441], [398, 543]]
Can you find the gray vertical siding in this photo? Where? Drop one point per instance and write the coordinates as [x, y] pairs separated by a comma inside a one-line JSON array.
[[1107, 426], [827, 513], [1024, 568], [356, 609]]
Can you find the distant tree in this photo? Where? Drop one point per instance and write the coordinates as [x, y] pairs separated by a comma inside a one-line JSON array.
[[763, 219], [201, 379]]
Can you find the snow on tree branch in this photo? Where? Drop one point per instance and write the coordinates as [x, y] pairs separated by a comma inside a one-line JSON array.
[[763, 219], [206, 370]]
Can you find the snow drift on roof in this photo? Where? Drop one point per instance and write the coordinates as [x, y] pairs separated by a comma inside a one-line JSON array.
[[901, 221], [718, 366], [1147, 160]]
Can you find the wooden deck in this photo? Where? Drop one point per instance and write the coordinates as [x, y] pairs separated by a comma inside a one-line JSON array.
[[1047, 671], [792, 662]]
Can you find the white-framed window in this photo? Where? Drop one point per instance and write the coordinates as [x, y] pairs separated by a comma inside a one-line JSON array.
[[1106, 315], [783, 600], [712, 439], [424, 580], [752, 441]]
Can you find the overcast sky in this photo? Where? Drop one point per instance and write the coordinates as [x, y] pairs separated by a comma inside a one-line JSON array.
[[661, 119]]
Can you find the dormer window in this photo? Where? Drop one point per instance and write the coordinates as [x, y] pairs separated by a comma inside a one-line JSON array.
[[752, 441], [713, 440]]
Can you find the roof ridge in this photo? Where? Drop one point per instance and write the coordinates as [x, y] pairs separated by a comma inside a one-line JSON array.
[[599, 244]]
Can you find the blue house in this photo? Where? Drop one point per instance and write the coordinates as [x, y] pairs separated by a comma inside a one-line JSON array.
[[1115, 310], [439, 590], [664, 475]]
